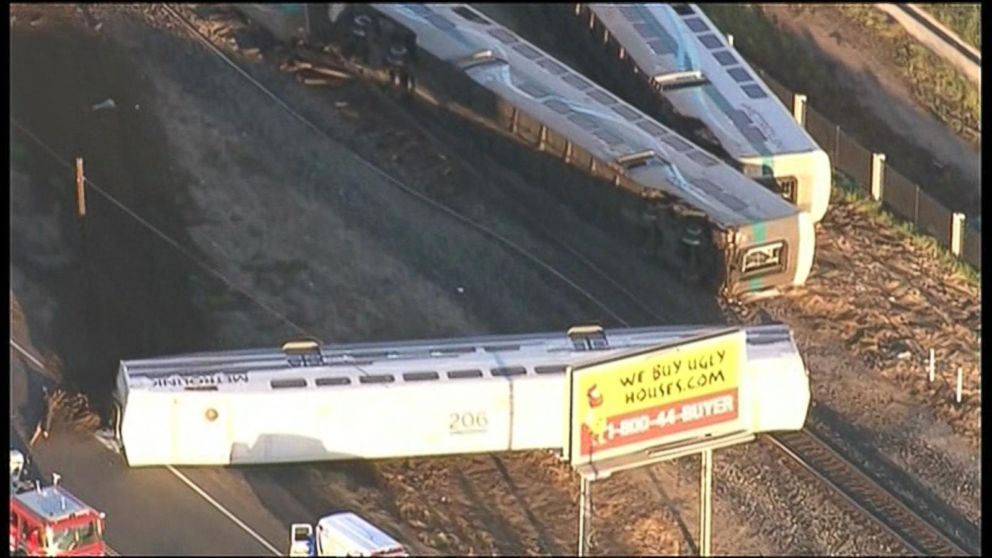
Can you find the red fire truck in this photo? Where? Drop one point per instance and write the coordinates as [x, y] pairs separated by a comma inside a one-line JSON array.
[[50, 521]]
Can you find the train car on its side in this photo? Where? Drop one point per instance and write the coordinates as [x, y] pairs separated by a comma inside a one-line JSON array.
[[306, 402], [671, 60], [601, 155]]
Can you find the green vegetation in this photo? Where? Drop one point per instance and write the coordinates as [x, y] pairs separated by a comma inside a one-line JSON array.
[[935, 83], [861, 202], [963, 19]]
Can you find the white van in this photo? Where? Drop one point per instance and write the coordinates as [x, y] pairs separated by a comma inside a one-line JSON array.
[[344, 534]]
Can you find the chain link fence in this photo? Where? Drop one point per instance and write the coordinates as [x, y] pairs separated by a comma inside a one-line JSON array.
[[899, 194]]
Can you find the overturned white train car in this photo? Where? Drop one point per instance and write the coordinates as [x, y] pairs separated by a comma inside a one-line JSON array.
[[613, 164], [419, 398], [671, 57]]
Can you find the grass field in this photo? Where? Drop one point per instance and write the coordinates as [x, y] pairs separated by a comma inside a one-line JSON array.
[[963, 19], [935, 83]]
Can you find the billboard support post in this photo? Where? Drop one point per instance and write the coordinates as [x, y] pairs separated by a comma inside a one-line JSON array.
[[585, 511], [705, 501]]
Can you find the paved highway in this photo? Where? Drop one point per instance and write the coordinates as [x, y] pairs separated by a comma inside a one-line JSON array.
[[158, 511]]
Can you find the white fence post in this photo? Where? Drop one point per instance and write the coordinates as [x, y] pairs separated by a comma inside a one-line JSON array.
[[877, 170], [957, 233], [931, 366], [799, 108], [958, 393]]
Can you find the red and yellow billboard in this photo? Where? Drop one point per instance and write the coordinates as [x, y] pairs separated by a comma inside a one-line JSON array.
[[653, 397]]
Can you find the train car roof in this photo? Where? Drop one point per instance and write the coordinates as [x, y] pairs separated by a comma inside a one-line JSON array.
[[565, 101], [736, 106], [498, 356]]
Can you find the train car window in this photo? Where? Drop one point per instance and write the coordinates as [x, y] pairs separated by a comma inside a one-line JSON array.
[[702, 158], [558, 106], [630, 12], [710, 41], [677, 143], [453, 350], [332, 381], [729, 200], [626, 112], [583, 121], [607, 136], [725, 58], [440, 22], [377, 379], [754, 91], [651, 128], [470, 15], [501, 348], [503, 36], [508, 371], [527, 51], [368, 355], [660, 47], [696, 24], [463, 374], [552, 66], [645, 31], [288, 383], [602, 97], [739, 74], [753, 134], [420, 376], [550, 369], [577, 82], [683, 9]]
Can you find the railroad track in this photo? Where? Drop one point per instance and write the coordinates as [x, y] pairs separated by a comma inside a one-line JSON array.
[[606, 284], [806, 449], [816, 456]]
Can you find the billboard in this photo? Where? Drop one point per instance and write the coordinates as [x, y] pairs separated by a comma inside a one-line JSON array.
[[653, 397]]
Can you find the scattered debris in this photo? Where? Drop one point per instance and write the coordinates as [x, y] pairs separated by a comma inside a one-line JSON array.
[[313, 81], [889, 304], [107, 104], [67, 410], [333, 72]]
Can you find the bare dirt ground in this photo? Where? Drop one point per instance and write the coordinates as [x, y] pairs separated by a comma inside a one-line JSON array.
[[291, 216], [862, 66]]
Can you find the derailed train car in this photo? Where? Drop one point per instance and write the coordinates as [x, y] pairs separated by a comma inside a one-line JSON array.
[[610, 160], [305, 402], [672, 60]]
